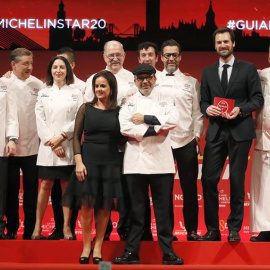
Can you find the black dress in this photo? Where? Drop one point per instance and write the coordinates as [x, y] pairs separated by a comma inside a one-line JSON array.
[[100, 156]]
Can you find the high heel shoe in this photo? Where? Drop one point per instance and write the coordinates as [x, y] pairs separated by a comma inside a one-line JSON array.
[[38, 237], [69, 237], [35, 237], [97, 260], [85, 260]]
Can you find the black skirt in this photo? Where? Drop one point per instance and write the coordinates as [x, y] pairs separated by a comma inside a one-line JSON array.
[[55, 172], [100, 188]]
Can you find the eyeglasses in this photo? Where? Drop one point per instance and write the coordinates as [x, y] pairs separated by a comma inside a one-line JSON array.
[[141, 79], [168, 55], [113, 55]]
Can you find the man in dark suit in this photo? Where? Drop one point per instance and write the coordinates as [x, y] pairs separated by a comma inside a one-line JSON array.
[[230, 135]]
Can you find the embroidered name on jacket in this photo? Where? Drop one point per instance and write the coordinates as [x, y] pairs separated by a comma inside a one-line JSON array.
[[44, 95], [186, 87], [74, 97], [3, 88]]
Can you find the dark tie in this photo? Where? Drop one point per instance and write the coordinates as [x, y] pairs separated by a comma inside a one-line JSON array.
[[224, 77], [169, 74]]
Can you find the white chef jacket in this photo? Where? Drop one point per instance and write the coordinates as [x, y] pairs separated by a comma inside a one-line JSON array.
[[125, 83], [262, 141], [78, 84], [153, 154], [55, 113], [8, 115], [260, 184], [26, 92], [158, 75], [185, 90]]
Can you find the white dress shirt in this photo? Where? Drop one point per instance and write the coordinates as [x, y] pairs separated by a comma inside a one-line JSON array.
[[229, 69], [8, 115], [26, 92], [152, 154], [185, 90], [125, 83], [56, 110]]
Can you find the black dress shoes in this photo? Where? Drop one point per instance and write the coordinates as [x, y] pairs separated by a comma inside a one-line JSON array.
[[262, 237], [211, 236], [234, 236], [172, 259], [128, 258], [11, 236], [192, 236]]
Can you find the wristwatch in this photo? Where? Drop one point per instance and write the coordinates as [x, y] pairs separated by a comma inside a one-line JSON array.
[[14, 140]]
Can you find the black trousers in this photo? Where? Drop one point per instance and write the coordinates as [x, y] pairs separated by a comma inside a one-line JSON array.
[[187, 163], [30, 191], [215, 155], [3, 191], [124, 207], [161, 188]]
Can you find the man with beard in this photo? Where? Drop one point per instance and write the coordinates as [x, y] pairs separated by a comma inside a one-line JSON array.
[[230, 135], [185, 90], [146, 119]]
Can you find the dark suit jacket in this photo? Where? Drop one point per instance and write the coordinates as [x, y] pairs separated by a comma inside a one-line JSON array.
[[244, 87]]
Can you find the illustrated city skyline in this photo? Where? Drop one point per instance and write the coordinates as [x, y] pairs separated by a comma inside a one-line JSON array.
[[188, 34]]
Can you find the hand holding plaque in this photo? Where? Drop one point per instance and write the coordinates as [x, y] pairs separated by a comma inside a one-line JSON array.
[[225, 104]]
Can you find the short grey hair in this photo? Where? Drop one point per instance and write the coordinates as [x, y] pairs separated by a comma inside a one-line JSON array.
[[16, 54]]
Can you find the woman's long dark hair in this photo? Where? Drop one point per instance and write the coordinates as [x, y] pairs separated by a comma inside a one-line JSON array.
[[69, 76], [113, 87]]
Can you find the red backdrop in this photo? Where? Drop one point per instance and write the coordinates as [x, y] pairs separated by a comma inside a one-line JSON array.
[[192, 63]]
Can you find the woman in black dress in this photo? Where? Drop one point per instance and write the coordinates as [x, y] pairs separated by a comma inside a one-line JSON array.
[[96, 179]]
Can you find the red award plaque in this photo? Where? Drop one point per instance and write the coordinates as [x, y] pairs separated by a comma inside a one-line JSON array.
[[225, 104]]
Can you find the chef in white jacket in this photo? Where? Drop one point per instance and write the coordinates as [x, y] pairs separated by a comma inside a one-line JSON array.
[[260, 180], [185, 90], [56, 110], [25, 88], [9, 133], [56, 193], [146, 118]]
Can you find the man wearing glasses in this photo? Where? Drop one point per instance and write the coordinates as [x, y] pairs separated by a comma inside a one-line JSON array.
[[114, 56], [185, 90], [146, 119]]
